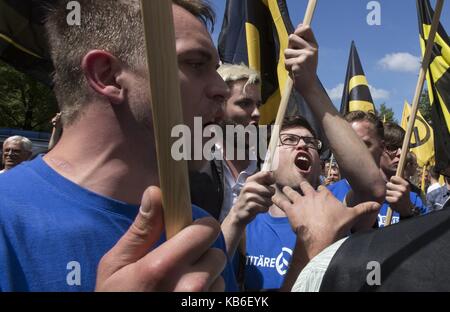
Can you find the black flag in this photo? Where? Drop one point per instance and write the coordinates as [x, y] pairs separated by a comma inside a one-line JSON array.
[[356, 94], [255, 32], [438, 80]]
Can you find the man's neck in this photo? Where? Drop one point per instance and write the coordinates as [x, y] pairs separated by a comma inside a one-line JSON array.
[[100, 155], [236, 166], [276, 211]]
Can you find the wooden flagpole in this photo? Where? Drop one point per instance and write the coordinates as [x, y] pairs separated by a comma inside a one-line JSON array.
[[422, 180], [415, 104], [167, 111], [330, 165], [274, 139]]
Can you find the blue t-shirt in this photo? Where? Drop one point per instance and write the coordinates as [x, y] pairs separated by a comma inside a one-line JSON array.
[[53, 232], [341, 188], [270, 243]]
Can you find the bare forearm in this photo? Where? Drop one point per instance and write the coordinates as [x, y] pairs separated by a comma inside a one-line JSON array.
[[350, 152], [232, 232]]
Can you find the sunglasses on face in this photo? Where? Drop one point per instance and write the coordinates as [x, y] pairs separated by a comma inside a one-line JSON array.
[[392, 150]]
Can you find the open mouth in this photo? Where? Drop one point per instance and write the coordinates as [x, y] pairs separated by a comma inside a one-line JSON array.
[[303, 162]]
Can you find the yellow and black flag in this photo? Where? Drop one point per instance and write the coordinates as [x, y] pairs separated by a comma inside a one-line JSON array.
[[422, 139], [356, 94], [22, 37], [438, 81], [255, 32]]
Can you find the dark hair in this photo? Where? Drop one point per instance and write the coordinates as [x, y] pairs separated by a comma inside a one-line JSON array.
[[297, 121], [393, 134], [201, 9], [411, 158], [433, 173], [370, 117]]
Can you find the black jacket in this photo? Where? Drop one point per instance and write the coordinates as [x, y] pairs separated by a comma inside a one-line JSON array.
[[207, 188]]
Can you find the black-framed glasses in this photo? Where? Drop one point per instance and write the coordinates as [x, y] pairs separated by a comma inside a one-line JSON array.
[[392, 150], [290, 139]]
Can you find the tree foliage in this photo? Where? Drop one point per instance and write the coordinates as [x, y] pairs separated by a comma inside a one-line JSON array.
[[24, 102], [386, 113], [425, 106]]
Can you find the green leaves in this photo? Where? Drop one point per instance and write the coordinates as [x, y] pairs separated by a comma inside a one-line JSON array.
[[24, 102]]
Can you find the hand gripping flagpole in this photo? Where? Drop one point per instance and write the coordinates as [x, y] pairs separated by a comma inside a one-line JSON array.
[[275, 137], [415, 104], [167, 112]]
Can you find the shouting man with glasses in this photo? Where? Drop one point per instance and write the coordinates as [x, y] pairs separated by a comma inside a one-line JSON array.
[[270, 240], [269, 237]]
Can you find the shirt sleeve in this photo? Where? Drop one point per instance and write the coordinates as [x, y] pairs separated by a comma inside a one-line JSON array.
[[416, 200], [310, 279], [430, 201]]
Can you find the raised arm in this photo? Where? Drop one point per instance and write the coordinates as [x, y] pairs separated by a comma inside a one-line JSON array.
[[352, 155]]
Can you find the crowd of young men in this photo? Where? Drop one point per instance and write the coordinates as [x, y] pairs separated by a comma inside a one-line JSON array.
[[93, 203]]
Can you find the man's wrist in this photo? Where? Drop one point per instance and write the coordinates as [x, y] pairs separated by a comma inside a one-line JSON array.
[[235, 219]]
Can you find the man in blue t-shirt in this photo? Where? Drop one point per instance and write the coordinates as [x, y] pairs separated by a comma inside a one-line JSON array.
[[270, 239], [61, 213], [384, 142]]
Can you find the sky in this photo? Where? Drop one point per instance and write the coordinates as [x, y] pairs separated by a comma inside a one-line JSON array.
[[389, 52]]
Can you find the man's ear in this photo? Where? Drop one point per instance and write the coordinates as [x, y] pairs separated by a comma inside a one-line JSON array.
[[101, 70]]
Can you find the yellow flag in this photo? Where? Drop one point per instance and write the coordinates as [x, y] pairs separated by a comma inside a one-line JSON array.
[[422, 139]]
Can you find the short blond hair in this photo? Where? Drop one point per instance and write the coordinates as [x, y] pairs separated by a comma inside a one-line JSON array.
[[231, 73]]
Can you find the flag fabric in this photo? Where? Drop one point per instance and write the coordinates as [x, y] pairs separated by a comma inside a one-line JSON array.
[[22, 37], [438, 81], [422, 139], [255, 32], [356, 95]]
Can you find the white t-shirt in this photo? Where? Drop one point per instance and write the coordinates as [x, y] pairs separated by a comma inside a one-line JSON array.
[[310, 279], [433, 187]]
